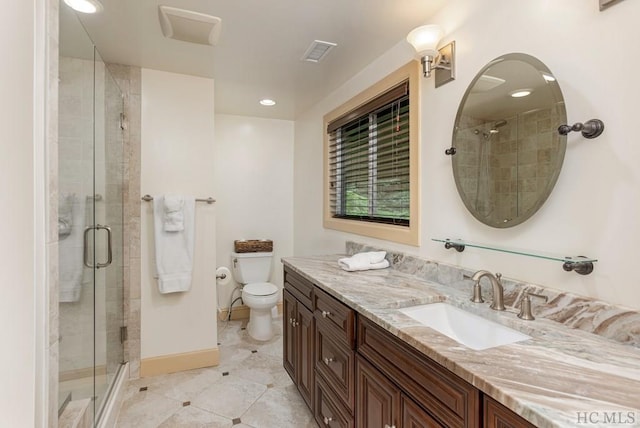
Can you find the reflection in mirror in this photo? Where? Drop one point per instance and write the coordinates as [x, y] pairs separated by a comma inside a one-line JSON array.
[[508, 151]]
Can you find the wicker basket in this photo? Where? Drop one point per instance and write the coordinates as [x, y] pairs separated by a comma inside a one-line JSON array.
[[253, 246]]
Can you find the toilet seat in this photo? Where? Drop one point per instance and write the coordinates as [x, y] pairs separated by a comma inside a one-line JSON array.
[[260, 289]]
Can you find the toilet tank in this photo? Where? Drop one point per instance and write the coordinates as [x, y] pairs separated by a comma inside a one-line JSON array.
[[251, 267]]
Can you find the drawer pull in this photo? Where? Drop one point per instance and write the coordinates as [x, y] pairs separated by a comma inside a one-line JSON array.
[[295, 323], [325, 314], [328, 360], [327, 420]]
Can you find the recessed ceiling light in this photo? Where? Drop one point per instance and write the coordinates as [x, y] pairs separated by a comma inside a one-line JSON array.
[[519, 93], [85, 6], [267, 102]]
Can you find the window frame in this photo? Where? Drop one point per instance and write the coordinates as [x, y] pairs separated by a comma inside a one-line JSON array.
[[396, 233]]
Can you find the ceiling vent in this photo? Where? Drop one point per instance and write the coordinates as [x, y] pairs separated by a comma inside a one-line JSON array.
[[189, 26], [317, 51]]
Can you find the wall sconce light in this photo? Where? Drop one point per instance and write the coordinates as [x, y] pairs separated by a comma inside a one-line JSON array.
[[425, 40]]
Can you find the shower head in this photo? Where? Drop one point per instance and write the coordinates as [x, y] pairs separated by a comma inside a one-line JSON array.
[[496, 125]]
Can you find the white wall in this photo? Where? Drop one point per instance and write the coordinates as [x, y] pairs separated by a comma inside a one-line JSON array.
[[254, 187], [17, 221], [595, 206], [178, 157]]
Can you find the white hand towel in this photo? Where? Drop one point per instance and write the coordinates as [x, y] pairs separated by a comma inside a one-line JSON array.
[[71, 247], [65, 214], [364, 261], [174, 250], [173, 213]]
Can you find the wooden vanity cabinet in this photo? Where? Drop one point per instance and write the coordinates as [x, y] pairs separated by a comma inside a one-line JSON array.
[[298, 335], [498, 416], [335, 357], [353, 373], [380, 403], [446, 399]]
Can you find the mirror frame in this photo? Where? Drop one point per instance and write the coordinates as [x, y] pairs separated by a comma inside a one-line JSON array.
[[557, 101]]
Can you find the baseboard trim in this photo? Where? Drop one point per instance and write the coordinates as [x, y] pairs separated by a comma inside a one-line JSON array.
[[241, 312], [179, 362]]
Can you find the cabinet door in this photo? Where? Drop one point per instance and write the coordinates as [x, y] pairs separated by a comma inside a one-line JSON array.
[[498, 416], [288, 335], [304, 349], [377, 399], [413, 416]]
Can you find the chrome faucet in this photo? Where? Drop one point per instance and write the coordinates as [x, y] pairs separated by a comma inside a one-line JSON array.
[[496, 286]]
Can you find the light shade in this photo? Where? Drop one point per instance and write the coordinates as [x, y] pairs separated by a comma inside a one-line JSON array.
[[85, 6], [425, 39]]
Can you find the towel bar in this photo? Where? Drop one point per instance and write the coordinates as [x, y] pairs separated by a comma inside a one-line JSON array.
[[209, 200]]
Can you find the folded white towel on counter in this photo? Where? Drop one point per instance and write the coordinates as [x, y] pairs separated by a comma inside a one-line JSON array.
[[364, 261], [174, 250], [173, 213]]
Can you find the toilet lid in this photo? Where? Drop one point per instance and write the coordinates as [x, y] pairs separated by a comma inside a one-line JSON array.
[[260, 288]]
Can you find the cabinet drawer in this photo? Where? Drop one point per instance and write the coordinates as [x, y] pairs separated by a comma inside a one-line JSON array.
[[335, 362], [413, 416], [329, 413], [451, 400], [301, 288], [498, 416], [335, 316]]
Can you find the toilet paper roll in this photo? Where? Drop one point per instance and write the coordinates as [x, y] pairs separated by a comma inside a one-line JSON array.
[[223, 276]]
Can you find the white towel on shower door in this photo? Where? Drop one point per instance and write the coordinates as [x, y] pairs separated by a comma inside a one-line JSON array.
[[174, 250], [70, 249]]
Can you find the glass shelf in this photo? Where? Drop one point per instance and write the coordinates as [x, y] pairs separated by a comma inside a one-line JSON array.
[[580, 264]]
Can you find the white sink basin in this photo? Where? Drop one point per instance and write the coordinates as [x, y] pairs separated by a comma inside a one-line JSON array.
[[465, 328]]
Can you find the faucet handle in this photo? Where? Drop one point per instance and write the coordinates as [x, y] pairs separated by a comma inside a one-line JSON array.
[[499, 276], [477, 293], [525, 306]]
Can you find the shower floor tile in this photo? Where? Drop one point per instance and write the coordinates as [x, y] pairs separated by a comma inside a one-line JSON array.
[[249, 389]]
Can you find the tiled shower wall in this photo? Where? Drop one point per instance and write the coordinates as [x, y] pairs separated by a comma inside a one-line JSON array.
[[504, 173]]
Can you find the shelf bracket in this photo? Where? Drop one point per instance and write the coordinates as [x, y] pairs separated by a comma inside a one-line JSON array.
[[458, 247], [577, 266]]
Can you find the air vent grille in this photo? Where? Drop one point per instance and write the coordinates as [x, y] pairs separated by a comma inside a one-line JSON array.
[[317, 51], [189, 26]]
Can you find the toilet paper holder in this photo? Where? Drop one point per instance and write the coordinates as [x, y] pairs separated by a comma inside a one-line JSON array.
[[223, 276]]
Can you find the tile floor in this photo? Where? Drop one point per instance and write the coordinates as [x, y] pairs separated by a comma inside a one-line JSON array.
[[248, 389]]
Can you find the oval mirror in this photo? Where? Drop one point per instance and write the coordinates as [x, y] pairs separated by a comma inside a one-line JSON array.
[[508, 152]]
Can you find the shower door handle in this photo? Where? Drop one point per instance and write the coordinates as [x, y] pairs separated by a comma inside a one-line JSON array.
[[109, 247], [86, 247], [85, 243]]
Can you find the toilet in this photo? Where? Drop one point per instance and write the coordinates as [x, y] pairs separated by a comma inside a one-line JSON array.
[[252, 270]]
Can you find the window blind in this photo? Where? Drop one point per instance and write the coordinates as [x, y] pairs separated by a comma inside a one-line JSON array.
[[369, 160]]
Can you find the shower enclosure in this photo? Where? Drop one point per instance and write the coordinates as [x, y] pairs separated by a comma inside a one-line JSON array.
[[90, 222]]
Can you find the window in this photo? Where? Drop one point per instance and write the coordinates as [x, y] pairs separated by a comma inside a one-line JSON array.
[[371, 161]]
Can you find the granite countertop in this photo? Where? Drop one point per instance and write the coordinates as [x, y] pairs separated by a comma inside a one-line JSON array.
[[561, 377]]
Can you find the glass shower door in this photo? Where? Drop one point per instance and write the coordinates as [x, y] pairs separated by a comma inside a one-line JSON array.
[[90, 225], [76, 214], [109, 265]]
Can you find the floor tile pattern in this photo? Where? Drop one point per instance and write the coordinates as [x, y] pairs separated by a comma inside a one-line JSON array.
[[249, 389]]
